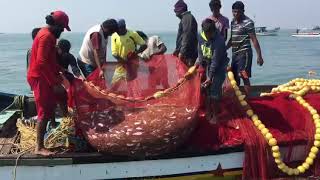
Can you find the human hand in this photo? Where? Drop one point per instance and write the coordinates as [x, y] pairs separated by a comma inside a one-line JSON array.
[[206, 83], [260, 61]]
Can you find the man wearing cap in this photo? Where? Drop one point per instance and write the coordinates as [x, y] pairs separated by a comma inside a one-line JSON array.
[[44, 74], [221, 22], [124, 47], [242, 31], [186, 43], [93, 51]]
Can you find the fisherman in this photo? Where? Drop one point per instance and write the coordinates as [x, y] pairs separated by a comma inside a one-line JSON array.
[[242, 31], [124, 46], [94, 47], [155, 47], [44, 74], [33, 35], [213, 58], [186, 43], [66, 59], [221, 22]]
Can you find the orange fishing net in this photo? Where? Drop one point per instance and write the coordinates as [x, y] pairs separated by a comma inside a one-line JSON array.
[[148, 110]]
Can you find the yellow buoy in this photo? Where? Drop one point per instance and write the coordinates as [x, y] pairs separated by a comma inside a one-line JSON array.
[[306, 166], [309, 161], [264, 131], [250, 113], [301, 169], [272, 142], [268, 136], [254, 117], [243, 103], [315, 150], [276, 155], [257, 122], [275, 148]]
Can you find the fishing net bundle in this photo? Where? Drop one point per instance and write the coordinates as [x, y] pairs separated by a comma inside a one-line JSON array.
[[59, 138], [151, 111]]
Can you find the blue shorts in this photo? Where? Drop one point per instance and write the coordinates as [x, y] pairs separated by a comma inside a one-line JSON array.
[[214, 91], [241, 64], [85, 68]]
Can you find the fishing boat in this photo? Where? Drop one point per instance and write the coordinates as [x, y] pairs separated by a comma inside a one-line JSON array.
[[263, 31], [226, 161], [306, 33], [218, 160]]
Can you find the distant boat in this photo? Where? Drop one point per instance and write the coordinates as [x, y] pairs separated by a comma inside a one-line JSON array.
[[306, 33], [263, 31], [316, 28]]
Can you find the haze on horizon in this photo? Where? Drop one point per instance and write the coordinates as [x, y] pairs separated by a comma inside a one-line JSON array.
[[21, 16]]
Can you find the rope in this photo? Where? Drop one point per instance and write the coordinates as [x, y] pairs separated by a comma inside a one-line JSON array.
[[18, 103], [191, 72]]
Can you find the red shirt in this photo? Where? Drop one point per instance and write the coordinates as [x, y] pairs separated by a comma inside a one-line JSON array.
[[43, 58]]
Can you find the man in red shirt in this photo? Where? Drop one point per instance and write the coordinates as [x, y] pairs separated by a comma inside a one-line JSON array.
[[44, 73]]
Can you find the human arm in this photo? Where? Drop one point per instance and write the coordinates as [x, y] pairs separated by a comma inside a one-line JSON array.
[[74, 66], [139, 41], [256, 45]]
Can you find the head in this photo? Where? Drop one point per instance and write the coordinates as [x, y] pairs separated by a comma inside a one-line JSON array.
[[142, 35], [208, 28], [180, 7], [109, 27], [238, 10], [58, 21], [63, 46], [122, 27], [35, 32], [215, 6]]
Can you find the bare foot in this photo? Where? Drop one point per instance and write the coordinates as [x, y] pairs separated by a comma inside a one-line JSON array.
[[43, 152]]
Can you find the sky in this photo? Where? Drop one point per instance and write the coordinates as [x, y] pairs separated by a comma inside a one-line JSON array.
[[21, 16]]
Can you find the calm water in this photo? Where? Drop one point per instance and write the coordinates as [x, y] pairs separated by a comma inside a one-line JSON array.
[[285, 58]]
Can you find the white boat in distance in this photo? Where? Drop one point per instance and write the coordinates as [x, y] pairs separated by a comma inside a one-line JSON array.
[[263, 31], [306, 33]]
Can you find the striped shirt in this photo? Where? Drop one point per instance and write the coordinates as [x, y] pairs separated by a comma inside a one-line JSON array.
[[240, 35]]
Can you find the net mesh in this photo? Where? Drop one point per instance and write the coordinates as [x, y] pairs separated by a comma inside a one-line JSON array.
[[151, 111]]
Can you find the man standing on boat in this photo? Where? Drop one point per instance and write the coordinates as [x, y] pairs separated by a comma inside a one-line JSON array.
[[213, 58], [221, 22], [242, 31], [44, 74], [186, 43], [93, 51], [125, 46]]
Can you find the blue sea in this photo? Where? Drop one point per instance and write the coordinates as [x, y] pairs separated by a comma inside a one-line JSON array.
[[285, 58]]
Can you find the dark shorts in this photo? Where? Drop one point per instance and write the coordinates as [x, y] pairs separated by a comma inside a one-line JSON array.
[[86, 69], [241, 65], [214, 91]]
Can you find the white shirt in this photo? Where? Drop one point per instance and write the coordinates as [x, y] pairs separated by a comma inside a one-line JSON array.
[[153, 44]]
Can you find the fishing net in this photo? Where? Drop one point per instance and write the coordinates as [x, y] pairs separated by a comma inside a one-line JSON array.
[[143, 108]]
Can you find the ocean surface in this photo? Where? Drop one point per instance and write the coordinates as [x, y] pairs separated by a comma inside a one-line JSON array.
[[285, 58]]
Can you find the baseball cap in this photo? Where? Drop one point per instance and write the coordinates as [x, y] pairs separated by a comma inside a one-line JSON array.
[[61, 18]]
